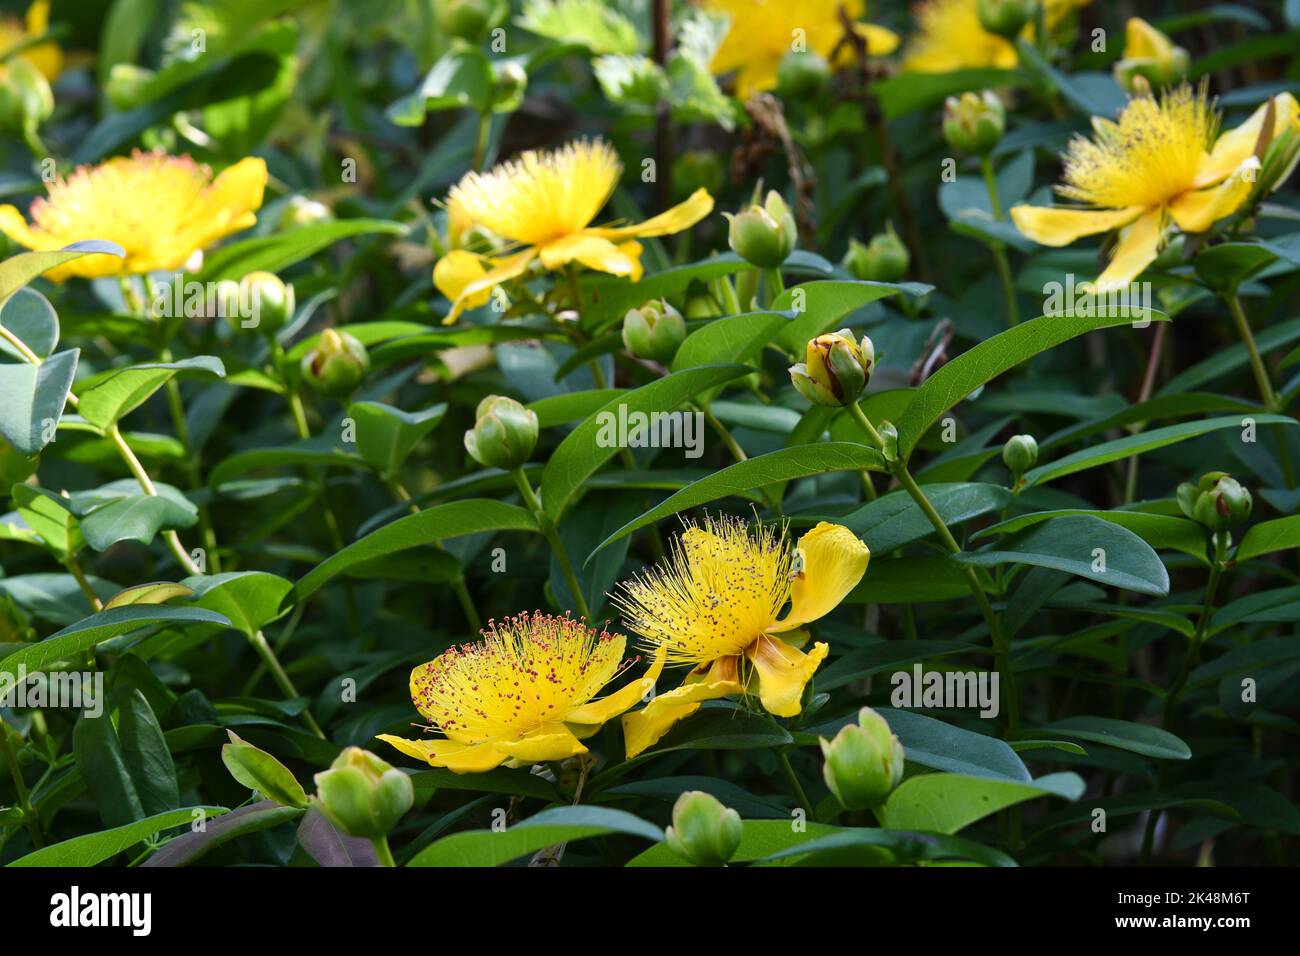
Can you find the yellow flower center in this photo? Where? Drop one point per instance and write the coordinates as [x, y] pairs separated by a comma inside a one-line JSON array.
[[1148, 158], [527, 671], [720, 589], [540, 196]]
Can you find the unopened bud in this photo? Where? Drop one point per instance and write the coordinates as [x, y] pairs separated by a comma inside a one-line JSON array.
[[1218, 501], [864, 762], [504, 433], [655, 331], [704, 832], [269, 298], [884, 259], [1005, 17], [835, 369], [763, 236], [336, 365], [362, 795], [1019, 454], [973, 122]]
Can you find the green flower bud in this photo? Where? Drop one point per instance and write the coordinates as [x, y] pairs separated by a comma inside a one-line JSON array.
[[864, 762], [764, 235], [655, 331], [300, 211], [1218, 501], [802, 76], [336, 365], [1005, 17], [1150, 59], [471, 19], [26, 100], [270, 301], [697, 169], [884, 259], [835, 369], [704, 831], [1019, 454], [504, 433], [127, 84], [510, 82], [362, 795], [974, 122]]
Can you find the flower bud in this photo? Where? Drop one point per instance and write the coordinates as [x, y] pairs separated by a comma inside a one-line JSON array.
[[704, 831], [336, 365], [300, 211], [655, 331], [1149, 56], [1019, 454], [362, 795], [763, 236], [471, 19], [864, 762], [835, 369], [802, 76], [127, 85], [1005, 17], [509, 84], [26, 100], [974, 122], [1218, 501], [884, 259], [270, 301], [504, 433]]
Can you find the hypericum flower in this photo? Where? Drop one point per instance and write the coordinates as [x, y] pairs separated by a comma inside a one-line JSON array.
[[950, 37], [161, 209], [762, 32], [544, 202], [716, 605], [46, 57], [1160, 163], [523, 694]]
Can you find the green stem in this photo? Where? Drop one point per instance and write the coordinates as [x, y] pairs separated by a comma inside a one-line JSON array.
[[20, 786], [267, 653], [458, 585], [1262, 381], [146, 484], [1001, 651], [796, 788], [481, 139], [383, 852], [548, 529], [998, 249]]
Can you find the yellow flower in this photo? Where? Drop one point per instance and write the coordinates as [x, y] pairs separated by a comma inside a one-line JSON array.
[[522, 695], [950, 37], [1160, 163], [161, 209], [46, 57], [543, 204], [716, 605], [762, 32]]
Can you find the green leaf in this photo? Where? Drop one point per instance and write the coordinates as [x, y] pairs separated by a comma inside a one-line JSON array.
[[1124, 735], [910, 580], [439, 523], [589, 23], [590, 445], [1228, 359], [34, 396], [1157, 530], [548, 828], [1085, 546], [155, 592], [778, 466], [17, 271], [734, 339], [313, 451], [949, 802], [759, 839], [248, 600], [1141, 442], [571, 406], [93, 848], [1266, 537], [605, 300], [30, 317], [461, 78], [386, 435], [50, 516], [278, 252], [877, 847], [77, 638], [986, 361], [258, 770], [125, 762], [188, 847], [135, 518], [108, 397], [820, 306], [894, 520], [1227, 265], [906, 93]]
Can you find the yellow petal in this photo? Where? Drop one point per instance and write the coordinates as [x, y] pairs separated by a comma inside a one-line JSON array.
[[456, 270], [594, 252], [1233, 146], [551, 742], [644, 728], [596, 712], [237, 193], [830, 561], [458, 758], [880, 41], [1198, 210], [1143, 41], [680, 217], [632, 249], [503, 270], [1137, 249], [13, 225], [783, 672], [1060, 226]]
